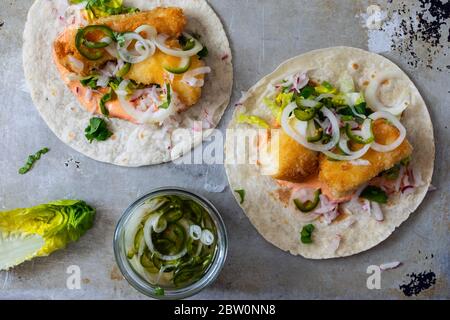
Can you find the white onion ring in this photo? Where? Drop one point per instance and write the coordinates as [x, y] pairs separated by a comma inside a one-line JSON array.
[[392, 119], [353, 156], [142, 47], [143, 116], [301, 139], [207, 237], [195, 231], [148, 227], [189, 77], [375, 103], [160, 42], [324, 96], [149, 30], [112, 50], [309, 103]]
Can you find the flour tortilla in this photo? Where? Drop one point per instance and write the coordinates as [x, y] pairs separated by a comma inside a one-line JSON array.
[[281, 225], [132, 145]]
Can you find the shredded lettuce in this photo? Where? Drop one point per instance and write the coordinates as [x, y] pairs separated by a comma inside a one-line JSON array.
[[325, 87], [253, 120], [103, 8], [346, 83], [277, 106]]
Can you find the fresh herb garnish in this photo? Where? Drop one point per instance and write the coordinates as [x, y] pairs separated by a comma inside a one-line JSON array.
[[307, 91], [374, 194], [119, 38], [159, 291], [90, 81], [392, 173], [97, 130], [103, 100], [406, 161], [306, 233], [32, 159], [241, 193], [166, 104], [203, 53], [361, 108]]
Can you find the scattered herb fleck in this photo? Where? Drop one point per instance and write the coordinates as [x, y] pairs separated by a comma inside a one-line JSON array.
[[159, 291], [306, 233], [418, 282], [32, 159], [241, 193]]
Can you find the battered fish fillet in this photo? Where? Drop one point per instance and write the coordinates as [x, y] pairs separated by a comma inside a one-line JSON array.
[[151, 71], [170, 21], [295, 161], [343, 178]]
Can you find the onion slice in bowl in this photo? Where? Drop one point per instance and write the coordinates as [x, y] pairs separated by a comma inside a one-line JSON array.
[[392, 119]]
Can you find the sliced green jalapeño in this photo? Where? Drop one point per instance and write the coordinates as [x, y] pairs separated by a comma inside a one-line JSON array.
[[179, 70], [309, 205], [90, 49], [305, 115], [356, 138]]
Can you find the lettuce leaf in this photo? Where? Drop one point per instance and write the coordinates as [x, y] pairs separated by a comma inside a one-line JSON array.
[[253, 120], [38, 231], [103, 8]]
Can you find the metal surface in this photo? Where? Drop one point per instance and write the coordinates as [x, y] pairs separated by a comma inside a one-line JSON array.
[[262, 34]]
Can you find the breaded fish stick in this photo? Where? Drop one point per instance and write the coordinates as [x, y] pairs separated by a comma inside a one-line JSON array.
[[343, 177]]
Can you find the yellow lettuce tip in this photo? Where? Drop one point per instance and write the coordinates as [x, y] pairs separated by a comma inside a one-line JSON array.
[[252, 120]]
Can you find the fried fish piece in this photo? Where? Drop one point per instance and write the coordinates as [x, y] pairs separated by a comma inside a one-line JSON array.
[[295, 162], [169, 21], [343, 177], [152, 71]]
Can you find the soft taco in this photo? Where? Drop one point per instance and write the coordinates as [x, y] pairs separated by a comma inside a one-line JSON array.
[[353, 158], [117, 80]]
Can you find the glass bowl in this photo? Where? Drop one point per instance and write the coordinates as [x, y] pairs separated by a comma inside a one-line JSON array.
[[141, 284]]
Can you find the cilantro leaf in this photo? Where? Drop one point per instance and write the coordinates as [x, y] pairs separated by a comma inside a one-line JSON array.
[[97, 130], [374, 194], [103, 100], [241, 193], [306, 234], [32, 159]]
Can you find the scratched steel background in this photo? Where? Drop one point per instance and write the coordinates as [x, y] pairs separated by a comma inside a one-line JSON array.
[[263, 33]]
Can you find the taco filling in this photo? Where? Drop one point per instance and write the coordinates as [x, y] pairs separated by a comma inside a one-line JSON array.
[[340, 149], [142, 67]]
